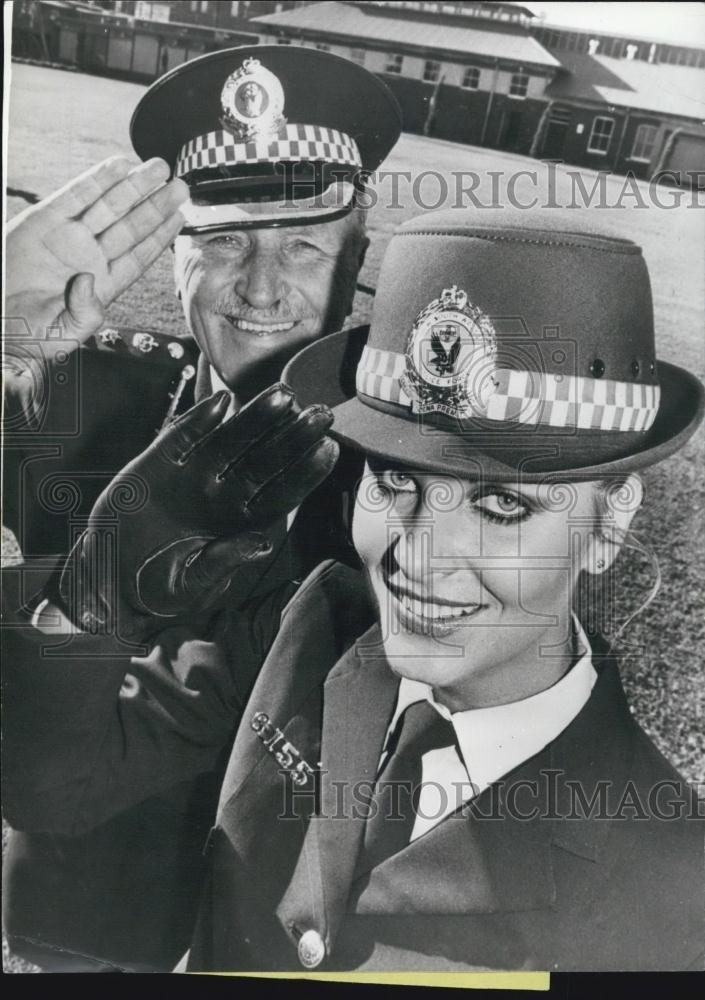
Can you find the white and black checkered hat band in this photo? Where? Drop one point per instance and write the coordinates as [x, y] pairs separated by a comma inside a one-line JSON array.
[[529, 397], [292, 143]]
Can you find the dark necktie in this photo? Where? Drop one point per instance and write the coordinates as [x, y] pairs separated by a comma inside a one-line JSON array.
[[395, 801]]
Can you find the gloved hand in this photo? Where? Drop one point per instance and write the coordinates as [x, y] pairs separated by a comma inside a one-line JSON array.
[[170, 530]]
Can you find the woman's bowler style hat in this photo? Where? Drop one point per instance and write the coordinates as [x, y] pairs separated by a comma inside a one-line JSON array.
[[505, 349]]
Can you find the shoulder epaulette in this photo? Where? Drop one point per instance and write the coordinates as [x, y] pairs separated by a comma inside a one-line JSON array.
[[149, 344]]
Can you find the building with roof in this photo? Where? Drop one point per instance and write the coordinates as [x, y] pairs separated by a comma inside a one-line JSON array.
[[486, 74], [480, 81], [474, 71], [130, 40], [625, 115]]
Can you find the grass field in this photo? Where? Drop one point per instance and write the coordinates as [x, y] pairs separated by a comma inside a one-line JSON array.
[[61, 123]]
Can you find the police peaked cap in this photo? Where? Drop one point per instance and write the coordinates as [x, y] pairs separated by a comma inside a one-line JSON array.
[[267, 134]]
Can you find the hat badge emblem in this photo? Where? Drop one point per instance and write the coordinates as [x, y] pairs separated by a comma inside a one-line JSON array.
[[451, 357], [252, 100]]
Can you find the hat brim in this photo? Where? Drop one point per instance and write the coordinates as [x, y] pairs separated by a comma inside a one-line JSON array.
[[324, 372], [335, 202]]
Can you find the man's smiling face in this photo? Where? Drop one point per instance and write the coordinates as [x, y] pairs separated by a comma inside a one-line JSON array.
[[253, 298]]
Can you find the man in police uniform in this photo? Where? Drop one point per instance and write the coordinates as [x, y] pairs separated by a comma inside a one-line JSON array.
[[262, 212], [286, 181]]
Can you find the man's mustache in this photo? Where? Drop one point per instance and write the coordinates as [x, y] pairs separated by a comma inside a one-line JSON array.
[[233, 306]]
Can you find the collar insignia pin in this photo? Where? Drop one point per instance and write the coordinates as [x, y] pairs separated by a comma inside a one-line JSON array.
[[144, 342], [451, 357]]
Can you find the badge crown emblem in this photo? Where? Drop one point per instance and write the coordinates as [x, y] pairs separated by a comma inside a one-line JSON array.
[[454, 298], [249, 65]]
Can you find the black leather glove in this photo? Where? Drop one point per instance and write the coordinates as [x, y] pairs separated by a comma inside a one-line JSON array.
[[170, 530]]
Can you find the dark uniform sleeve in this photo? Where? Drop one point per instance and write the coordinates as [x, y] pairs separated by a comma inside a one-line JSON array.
[[90, 730], [74, 416]]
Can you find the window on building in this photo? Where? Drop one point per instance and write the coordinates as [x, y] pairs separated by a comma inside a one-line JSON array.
[[204, 6], [471, 78], [394, 63], [235, 8], [358, 56], [194, 6], [601, 135], [644, 142], [519, 85], [551, 39], [431, 71]]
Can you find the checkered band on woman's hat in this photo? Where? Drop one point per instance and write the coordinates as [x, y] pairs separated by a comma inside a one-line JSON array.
[[527, 397]]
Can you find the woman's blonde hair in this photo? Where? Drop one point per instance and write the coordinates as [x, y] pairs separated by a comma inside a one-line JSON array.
[[597, 602]]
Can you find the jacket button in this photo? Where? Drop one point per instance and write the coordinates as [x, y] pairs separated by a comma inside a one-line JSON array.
[[311, 949]]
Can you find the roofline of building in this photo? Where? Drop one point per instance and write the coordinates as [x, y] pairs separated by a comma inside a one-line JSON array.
[[403, 48], [593, 33], [451, 19], [519, 8], [600, 104]]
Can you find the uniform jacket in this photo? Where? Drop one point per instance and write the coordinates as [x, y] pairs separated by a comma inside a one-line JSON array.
[[523, 878], [529, 876], [104, 897]]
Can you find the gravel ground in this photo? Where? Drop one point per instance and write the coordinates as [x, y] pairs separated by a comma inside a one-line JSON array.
[[663, 661]]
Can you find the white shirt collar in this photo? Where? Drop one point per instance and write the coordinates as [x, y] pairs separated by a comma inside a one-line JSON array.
[[497, 739]]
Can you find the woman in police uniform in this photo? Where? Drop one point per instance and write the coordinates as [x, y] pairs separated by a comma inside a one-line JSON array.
[[448, 776], [436, 768]]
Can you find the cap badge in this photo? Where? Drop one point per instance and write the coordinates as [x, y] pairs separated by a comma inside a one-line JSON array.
[[253, 101], [451, 358]]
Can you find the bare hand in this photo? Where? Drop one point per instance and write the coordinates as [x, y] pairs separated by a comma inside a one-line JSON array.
[[74, 253]]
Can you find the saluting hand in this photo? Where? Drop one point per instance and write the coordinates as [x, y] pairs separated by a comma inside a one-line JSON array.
[[71, 255], [193, 508]]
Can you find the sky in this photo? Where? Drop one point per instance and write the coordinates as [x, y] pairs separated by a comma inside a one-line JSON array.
[[682, 23]]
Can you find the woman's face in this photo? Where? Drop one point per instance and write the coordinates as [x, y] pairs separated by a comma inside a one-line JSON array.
[[474, 580]]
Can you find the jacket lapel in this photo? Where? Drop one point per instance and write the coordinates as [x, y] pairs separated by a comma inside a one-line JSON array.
[[319, 623], [495, 853], [358, 700], [483, 858]]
